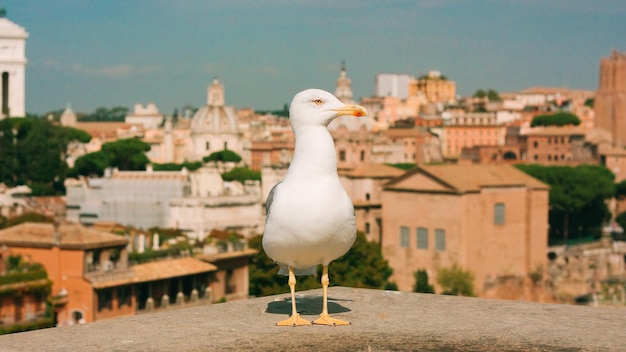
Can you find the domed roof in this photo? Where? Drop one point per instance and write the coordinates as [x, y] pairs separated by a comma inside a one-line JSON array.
[[214, 117]]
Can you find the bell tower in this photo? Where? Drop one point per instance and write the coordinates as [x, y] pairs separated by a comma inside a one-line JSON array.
[[610, 101]]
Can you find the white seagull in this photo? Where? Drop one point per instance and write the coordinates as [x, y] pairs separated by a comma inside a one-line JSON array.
[[310, 218]]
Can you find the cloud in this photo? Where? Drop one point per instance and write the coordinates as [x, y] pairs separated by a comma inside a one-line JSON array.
[[116, 71]]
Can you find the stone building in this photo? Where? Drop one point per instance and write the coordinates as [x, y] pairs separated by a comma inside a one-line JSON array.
[[12, 68], [364, 186], [461, 129], [214, 126], [435, 87], [196, 202], [146, 115], [93, 279], [490, 220], [610, 101]]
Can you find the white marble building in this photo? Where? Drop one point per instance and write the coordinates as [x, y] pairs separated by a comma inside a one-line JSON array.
[[196, 202], [12, 68]]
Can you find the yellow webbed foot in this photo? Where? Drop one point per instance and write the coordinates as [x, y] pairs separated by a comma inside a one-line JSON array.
[[326, 319], [294, 320]]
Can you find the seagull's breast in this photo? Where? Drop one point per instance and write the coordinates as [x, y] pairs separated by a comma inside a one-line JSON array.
[[309, 223]]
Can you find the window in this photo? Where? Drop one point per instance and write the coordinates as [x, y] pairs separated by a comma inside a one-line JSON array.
[[105, 299], [367, 228], [498, 214], [422, 238], [225, 145], [342, 155], [440, 239], [207, 146], [404, 236], [124, 296], [362, 155], [535, 144], [367, 196]]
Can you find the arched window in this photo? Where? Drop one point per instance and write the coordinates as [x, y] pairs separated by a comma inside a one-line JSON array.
[[499, 214], [509, 156]]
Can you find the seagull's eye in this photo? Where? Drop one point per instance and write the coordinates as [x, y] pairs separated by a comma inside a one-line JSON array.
[[318, 101]]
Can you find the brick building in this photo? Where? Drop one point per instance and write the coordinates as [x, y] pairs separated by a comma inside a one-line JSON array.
[[490, 219]]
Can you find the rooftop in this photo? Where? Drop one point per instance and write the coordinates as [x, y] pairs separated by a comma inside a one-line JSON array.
[[381, 321], [72, 236], [457, 178]]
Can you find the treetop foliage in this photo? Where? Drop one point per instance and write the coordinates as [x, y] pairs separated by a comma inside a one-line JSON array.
[[490, 94], [225, 155], [31, 153], [557, 119], [241, 174], [574, 205], [124, 154], [456, 281]]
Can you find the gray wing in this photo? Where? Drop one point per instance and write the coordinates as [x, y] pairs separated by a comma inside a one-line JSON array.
[[270, 199]]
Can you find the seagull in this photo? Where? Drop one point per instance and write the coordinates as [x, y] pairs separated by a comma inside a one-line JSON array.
[[310, 218]]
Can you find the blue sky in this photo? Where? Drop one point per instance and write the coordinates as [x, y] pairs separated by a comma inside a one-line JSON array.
[[93, 53]]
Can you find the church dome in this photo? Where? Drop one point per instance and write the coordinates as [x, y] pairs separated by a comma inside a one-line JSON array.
[[214, 117]]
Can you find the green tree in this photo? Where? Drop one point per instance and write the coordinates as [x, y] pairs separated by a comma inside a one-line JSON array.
[[421, 282], [92, 164], [124, 154], [492, 95], [456, 281], [117, 113], [128, 154], [363, 266], [191, 166], [32, 152], [574, 206], [557, 119], [241, 174], [225, 155], [480, 94]]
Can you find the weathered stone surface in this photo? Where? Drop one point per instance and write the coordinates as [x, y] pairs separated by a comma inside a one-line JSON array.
[[381, 321]]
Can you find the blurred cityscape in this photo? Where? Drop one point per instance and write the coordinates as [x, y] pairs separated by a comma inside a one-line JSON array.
[[140, 211]]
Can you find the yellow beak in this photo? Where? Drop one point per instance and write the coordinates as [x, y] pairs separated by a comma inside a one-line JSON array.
[[351, 110]]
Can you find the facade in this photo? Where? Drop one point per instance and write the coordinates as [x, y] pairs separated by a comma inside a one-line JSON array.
[[24, 289], [435, 87], [148, 116], [93, 279], [364, 186], [196, 202], [610, 101], [490, 220], [558, 146], [137, 198], [461, 129], [12, 68], [392, 85]]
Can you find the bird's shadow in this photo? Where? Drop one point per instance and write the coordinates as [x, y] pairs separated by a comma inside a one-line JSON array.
[[306, 305]]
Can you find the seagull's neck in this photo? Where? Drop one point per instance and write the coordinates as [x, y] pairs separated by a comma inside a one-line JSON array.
[[314, 152]]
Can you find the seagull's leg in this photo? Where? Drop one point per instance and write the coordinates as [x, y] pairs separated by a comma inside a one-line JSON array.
[[325, 319], [295, 319]]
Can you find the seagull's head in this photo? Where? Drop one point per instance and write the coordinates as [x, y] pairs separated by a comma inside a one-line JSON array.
[[315, 107]]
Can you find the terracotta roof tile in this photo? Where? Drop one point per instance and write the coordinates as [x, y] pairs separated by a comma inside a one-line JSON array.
[[463, 178], [153, 271], [73, 236], [374, 171]]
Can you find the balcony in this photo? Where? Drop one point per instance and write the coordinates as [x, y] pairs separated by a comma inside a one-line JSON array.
[[381, 321]]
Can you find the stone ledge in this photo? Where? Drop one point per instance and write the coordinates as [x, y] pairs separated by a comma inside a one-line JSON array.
[[381, 321]]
